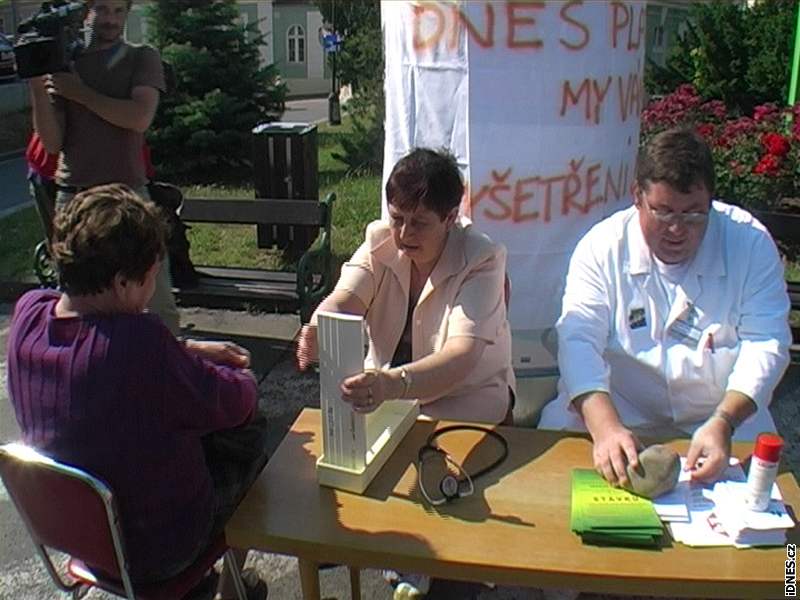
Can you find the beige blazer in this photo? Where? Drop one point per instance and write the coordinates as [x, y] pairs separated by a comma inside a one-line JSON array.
[[462, 297]]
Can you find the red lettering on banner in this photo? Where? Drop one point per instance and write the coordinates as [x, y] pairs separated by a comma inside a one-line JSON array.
[[623, 18], [567, 18], [569, 96], [435, 23], [572, 188], [620, 185], [494, 192], [531, 198], [522, 21], [548, 194], [630, 95], [420, 42], [594, 95], [600, 97], [619, 20], [520, 197], [461, 19], [592, 179]]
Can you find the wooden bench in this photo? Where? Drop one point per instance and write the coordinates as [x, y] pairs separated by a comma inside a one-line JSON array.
[[230, 287]]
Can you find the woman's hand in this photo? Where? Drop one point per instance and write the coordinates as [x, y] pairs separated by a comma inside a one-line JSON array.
[[221, 353], [306, 351], [368, 390]]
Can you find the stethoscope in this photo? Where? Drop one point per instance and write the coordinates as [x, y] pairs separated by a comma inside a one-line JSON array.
[[453, 486]]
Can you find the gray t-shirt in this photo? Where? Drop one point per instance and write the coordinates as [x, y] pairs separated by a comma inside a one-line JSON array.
[[95, 151]]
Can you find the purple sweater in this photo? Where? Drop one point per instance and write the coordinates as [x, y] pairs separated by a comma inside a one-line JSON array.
[[119, 396]]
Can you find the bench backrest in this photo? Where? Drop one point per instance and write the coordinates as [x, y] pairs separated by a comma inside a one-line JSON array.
[[249, 211]]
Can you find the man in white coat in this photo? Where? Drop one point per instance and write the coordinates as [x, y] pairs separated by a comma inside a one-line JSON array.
[[674, 319]]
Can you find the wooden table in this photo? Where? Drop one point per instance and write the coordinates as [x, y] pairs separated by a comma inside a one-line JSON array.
[[513, 531]]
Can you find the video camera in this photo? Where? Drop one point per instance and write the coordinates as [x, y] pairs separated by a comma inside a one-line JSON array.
[[51, 39]]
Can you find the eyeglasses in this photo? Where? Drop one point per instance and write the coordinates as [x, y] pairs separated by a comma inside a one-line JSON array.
[[667, 217]]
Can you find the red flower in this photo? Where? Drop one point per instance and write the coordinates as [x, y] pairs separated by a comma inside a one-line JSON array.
[[706, 130], [739, 127], [776, 144], [764, 112], [768, 165], [715, 108]]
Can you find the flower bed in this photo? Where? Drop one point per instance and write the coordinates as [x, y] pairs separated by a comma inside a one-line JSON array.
[[757, 157]]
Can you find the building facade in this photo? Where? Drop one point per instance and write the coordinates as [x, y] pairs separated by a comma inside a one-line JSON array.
[[291, 30], [665, 22]]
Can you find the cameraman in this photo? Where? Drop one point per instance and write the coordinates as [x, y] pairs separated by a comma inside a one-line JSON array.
[[96, 116]]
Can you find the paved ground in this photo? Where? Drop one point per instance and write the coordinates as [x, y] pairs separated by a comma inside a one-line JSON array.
[[309, 110], [283, 393]]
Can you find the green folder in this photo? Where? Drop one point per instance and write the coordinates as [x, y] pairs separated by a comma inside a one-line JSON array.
[[607, 515]]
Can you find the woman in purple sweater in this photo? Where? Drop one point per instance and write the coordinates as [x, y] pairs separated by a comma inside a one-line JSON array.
[[98, 383]]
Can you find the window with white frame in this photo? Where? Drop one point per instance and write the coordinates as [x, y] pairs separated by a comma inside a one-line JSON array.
[[296, 42]]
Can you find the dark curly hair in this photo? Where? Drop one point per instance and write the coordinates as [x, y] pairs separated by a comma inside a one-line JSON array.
[[425, 177], [103, 231]]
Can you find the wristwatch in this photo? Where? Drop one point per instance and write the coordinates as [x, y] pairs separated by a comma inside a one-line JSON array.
[[406, 378]]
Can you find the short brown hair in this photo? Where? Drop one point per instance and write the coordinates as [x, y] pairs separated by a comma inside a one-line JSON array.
[[426, 177], [679, 157], [103, 231]]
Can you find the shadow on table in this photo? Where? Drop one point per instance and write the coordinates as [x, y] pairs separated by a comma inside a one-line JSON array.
[[400, 477], [322, 508]]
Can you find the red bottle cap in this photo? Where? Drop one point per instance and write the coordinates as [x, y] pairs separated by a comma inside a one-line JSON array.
[[768, 447]]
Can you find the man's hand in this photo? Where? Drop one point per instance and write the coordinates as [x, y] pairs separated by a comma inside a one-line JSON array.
[[221, 353], [711, 442], [69, 86], [615, 448]]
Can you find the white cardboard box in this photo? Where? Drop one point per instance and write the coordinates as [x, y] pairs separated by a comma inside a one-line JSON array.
[[354, 445]]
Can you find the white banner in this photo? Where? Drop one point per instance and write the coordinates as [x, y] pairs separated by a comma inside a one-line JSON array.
[[540, 103]]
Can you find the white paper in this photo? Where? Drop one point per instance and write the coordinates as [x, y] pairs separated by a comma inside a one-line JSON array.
[[736, 517], [674, 506], [717, 515]]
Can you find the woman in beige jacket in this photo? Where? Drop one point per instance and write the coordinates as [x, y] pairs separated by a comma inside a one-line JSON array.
[[431, 290]]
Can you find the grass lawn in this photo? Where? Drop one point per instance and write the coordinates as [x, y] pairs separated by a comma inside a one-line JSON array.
[[357, 203], [793, 271], [19, 234]]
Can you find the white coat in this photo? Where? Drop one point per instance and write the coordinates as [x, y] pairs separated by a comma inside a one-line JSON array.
[[617, 333]]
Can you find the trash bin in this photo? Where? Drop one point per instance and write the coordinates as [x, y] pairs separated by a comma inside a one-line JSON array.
[[285, 166]]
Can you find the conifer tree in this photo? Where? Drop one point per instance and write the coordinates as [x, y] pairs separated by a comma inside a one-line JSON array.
[[203, 129]]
